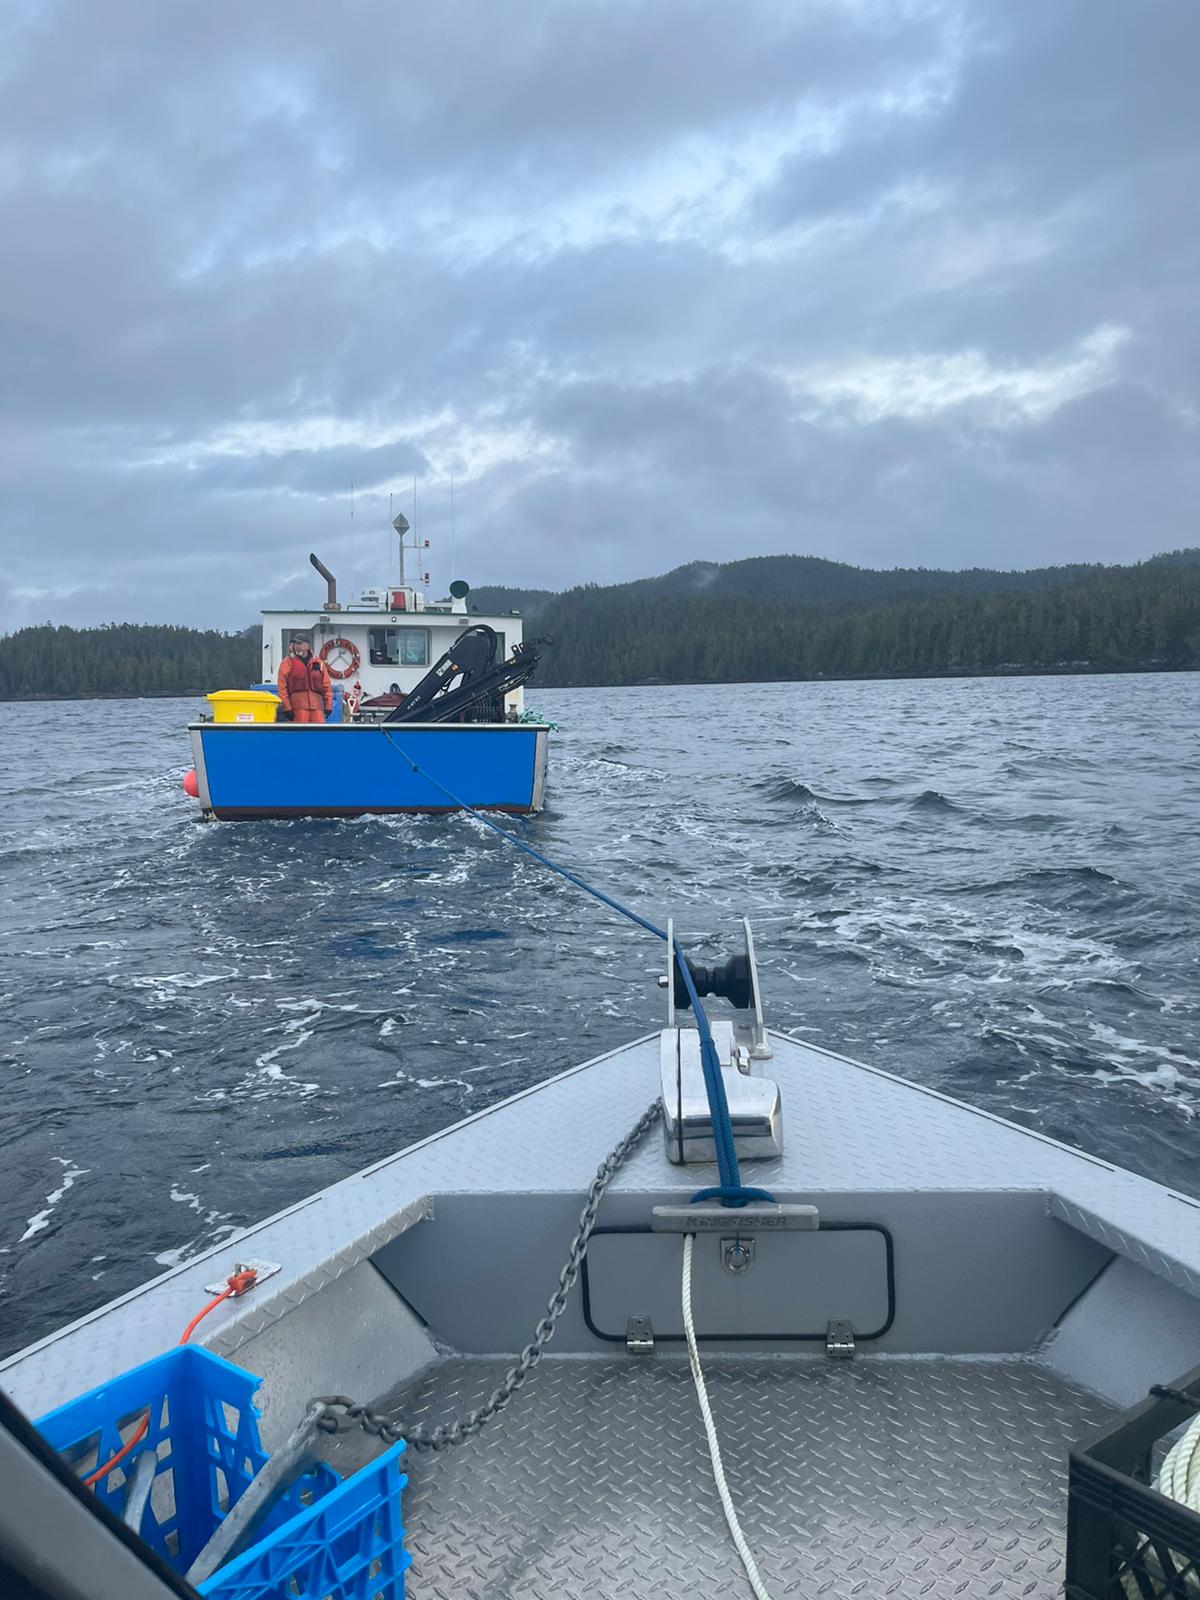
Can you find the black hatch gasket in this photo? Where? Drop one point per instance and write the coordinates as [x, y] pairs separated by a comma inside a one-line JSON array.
[[746, 1338]]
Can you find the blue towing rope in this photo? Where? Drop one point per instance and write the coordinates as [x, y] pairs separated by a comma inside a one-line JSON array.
[[730, 1191]]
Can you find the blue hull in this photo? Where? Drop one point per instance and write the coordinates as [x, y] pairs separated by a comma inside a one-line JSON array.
[[282, 769]]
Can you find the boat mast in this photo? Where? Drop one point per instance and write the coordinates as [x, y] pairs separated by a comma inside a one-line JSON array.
[[401, 525]]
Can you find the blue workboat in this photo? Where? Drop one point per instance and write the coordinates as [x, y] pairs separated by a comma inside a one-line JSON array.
[[347, 769], [425, 713]]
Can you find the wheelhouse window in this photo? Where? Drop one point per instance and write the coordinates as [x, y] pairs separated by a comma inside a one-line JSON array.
[[399, 647]]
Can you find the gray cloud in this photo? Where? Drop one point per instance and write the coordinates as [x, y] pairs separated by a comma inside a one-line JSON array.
[[654, 280]]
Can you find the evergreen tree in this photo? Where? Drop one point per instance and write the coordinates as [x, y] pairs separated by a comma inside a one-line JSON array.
[[124, 658]]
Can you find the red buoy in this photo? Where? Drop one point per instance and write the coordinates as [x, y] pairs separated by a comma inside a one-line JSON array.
[[190, 784]]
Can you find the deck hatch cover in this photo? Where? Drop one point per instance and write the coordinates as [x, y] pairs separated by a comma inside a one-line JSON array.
[[800, 1281]]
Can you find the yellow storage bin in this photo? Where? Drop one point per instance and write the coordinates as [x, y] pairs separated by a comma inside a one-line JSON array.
[[243, 705]]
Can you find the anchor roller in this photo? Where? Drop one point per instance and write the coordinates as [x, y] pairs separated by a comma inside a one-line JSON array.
[[755, 1109]]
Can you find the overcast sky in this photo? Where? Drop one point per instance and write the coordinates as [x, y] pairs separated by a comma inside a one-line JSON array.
[[889, 281]]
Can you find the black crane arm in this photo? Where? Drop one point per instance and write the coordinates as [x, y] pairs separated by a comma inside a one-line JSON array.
[[469, 681]]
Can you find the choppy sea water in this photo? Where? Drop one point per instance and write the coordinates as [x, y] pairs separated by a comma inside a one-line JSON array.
[[989, 886]]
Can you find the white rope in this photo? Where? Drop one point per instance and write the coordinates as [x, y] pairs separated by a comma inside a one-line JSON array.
[[1179, 1478], [710, 1428], [1179, 1475]]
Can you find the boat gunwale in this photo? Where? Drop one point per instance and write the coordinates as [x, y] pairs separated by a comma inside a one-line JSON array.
[[366, 1241]]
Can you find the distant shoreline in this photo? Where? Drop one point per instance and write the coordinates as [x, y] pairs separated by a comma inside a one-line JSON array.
[[150, 694], [702, 683], [879, 677], [764, 619]]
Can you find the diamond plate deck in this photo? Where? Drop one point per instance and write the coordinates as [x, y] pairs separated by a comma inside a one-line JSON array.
[[873, 1477]]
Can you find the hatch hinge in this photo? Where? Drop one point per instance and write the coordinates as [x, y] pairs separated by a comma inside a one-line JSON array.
[[839, 1339], [639, 1336]]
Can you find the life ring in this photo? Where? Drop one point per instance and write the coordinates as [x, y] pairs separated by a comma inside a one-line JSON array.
[[347, 651]]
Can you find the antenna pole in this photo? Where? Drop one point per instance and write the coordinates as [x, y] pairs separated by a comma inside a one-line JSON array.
[[415, 520], [400, 524], [451, 527]]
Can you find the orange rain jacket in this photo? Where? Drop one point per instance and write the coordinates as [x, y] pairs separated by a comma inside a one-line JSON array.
[[305, 687]]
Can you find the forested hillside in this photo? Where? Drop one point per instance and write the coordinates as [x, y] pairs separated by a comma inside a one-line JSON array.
[[812, 580], [1095, 619], [769, 617], [491, 598], [123, 658]]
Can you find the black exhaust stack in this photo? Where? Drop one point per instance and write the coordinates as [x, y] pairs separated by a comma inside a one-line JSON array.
[[331, 599]]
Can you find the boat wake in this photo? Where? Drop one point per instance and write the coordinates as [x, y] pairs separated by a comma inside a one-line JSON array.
[[204, 1024]]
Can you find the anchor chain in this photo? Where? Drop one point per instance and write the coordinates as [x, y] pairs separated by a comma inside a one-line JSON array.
[[342, 1413]]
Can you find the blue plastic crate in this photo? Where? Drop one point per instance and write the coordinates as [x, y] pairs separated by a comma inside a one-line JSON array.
[[204, 1430], [348, 1546]]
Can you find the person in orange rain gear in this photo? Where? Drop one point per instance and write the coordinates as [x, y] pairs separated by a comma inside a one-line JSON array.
[[305, 689]]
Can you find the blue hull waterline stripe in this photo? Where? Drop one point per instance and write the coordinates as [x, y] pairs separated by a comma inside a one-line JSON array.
[[731, 1191]]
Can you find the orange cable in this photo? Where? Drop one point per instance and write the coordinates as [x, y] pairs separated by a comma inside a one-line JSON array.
[[100, 1472], [236, 1285], [200, 1315]]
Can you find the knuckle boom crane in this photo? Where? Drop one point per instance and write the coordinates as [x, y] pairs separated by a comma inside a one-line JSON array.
[[468, 684]]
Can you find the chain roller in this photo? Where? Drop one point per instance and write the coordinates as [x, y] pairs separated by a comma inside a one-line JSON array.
[[341, 1412]]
